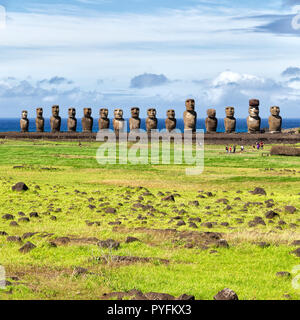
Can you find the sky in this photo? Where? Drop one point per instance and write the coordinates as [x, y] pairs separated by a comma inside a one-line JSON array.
[[158, 53]]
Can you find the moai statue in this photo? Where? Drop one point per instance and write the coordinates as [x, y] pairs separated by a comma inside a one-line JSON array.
[[229, 121], [151, 121], [24, 122], [190, 116], [72, 121], [171, 120], [87, 121], [211, 122], [253, 121], [39, 121], [275, 120], [55, 120], [118, 122], [135, 121], [103, 121]]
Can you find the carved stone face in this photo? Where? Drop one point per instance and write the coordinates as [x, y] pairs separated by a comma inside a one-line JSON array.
[[151, 113], [87, 112], [135, 112], [211, 113], [72, 112], [103, 113], [253, 111], [55, 111], [190, 105], [229, 112], [118, 113], [171, 114], [275, 111], [39, 112], [24, 114]]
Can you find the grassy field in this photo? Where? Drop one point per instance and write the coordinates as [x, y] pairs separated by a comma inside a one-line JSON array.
[[79, 202]]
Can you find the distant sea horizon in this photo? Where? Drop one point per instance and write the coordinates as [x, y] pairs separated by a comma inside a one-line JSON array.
[[13, 124]]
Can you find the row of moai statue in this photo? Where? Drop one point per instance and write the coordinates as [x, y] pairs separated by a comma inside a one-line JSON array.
[[189, 117]]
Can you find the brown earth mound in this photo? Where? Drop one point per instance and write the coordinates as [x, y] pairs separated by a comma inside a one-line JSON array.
[[285, 151]]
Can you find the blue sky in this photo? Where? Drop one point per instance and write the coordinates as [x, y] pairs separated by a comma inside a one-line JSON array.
[[117, 53]]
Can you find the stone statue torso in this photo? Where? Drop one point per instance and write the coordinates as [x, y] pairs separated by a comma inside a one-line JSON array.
[[253, 124], [118, 124], [134, 123], [55, 124], [190, 120], [275, 123], [103, 123], [211, 124], [40, 123], [72, 124], [24, 124], [230, 125], [87, 124], [170, 124], [151, 124]]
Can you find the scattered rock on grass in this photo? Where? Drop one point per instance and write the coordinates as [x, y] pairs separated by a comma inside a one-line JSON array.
[[222, 243], [296, 252], [78, 271], [131, 239], [271, 214], [226, 294], [109, 244], [8, 217], [20, 186], [259, 191], [290, 209], [283, 274], [27, 247], [169, 198], [14, 239]]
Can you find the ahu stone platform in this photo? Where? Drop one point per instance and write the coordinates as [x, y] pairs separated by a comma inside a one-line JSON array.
[[209, 138]]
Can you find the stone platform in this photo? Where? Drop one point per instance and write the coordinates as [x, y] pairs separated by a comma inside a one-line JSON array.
[[210, 138]]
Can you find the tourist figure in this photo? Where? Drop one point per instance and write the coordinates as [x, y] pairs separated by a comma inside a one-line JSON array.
[[234, 149], [242, 148], [226, 149], [229, 149]]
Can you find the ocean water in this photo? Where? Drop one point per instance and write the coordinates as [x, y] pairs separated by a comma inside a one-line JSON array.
[[13, 125]]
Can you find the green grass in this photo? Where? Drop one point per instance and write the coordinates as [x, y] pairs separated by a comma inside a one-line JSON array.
[[46, 272]]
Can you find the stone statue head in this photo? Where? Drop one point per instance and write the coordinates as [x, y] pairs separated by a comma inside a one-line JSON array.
[[24, 114], [275, 111], [103, 113], [151, 113], [87, 112], [72, 112], [211, 113], [190, 105], [253, 111], [39, 112], [229, 112], [55, 111], [118, 113], [135, 112], [171, 114]]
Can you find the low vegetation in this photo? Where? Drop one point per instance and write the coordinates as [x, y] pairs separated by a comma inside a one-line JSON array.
[[94, 230]]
